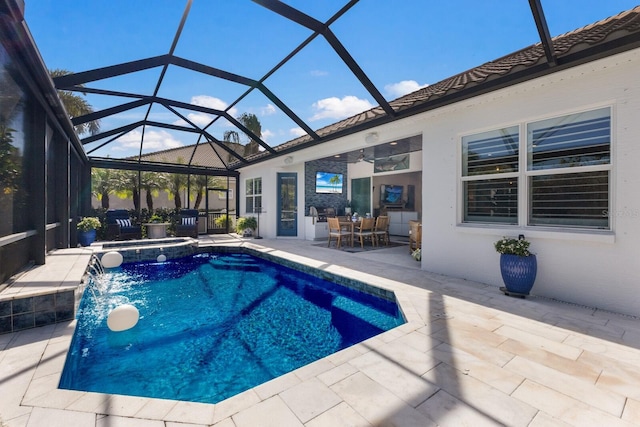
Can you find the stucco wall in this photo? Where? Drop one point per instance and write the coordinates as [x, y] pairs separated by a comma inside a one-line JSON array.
[[598, 269], [591, 268]]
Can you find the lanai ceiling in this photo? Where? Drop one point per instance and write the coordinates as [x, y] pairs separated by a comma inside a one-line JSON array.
[[141, 96]]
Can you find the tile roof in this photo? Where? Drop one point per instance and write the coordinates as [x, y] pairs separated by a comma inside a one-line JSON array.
[[522, 62], [205, 155]]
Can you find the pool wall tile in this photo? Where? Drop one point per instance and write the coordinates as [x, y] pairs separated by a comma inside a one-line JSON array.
[[44, 302], [149, 250], [64, 314], [44, 318], [65, 299], [23, 321], [5, 308], [22, 305], [5, 325], [41, 310]]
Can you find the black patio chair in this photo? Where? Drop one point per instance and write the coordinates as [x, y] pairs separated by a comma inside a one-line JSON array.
[[120, 226], [187, 223]]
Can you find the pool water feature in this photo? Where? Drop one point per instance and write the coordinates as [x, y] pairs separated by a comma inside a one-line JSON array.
[[214, 325]]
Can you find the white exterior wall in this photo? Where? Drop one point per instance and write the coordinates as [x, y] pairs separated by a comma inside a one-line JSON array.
[[598, 269]]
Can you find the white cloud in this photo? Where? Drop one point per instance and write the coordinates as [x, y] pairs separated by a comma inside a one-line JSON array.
[[336, 108], [153, 141], [266, 135], [319, 73], [404, 87], [209, 102], [203, 119], [268, 110], [296, 132]]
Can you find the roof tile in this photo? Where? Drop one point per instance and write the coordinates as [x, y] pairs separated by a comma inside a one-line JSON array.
[[608, 29]]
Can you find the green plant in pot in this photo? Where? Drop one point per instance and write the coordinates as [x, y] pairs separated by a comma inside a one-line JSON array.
[[155, 218], [87, 230], [246, 226], [518, 266]]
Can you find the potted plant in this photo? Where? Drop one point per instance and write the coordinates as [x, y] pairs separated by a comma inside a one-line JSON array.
[[246, 226], [155, 218], [87, 230], [518, 265]]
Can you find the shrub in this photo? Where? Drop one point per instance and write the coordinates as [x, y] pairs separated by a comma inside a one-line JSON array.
[[512, 246], [246, 222], [89, 223], [222, 221]]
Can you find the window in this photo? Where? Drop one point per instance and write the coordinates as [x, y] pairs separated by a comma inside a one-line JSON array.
[[567, 164], [254, 195], [222, 195], [490, 176]]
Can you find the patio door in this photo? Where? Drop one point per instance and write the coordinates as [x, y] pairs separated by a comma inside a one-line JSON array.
[[287, 204], [361, 195]]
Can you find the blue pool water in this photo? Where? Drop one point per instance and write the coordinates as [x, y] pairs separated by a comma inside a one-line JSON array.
[[214, 325]]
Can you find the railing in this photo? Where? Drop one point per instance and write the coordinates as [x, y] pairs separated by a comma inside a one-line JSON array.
[[215, 226]]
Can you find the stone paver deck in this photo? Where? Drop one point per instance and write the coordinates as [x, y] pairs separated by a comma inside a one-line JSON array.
[[468, 355]]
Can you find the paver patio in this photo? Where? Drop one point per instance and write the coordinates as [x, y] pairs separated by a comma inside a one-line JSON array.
[[468, 355]]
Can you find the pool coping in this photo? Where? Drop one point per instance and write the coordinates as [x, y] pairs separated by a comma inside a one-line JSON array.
[[470, 355], [43, 390]]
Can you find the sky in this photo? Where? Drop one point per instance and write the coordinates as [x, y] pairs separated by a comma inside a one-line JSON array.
[[400, 45]]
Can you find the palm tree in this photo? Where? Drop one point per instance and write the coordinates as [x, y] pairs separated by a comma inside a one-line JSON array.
[[103, 183], [175, 184], [199, 187], [232, 139], [335, 181], [231, 136], [152, 183], [76, 106], [127, 187]]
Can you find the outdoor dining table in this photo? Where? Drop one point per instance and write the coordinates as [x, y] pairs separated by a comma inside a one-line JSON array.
[[351, 226]]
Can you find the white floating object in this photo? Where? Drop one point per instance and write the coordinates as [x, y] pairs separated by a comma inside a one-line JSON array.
[[111, 259], [123, 317], [161, 258]]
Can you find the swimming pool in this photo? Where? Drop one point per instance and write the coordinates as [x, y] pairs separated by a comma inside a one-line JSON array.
[[214, 325]]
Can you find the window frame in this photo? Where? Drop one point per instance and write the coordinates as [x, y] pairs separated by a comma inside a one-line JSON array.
[[490, 176], [251, 207], [524, 176]]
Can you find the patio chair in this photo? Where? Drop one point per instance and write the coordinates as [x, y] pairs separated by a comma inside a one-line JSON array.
[[365, 231], [187, 224], [336, 230], [120, 226], [415, 235], [381, 230]]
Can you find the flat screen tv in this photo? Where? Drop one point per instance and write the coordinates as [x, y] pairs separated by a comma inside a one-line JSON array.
[[329, 182], [391, 194]]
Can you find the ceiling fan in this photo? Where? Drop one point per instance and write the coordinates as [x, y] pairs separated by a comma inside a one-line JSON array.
[[362, 157]]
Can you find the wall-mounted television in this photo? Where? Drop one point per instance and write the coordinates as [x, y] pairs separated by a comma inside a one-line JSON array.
[[329, 182], [391, 194]]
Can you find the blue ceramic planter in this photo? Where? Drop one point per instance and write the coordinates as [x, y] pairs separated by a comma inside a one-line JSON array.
[[85, 238], [518, 272]]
